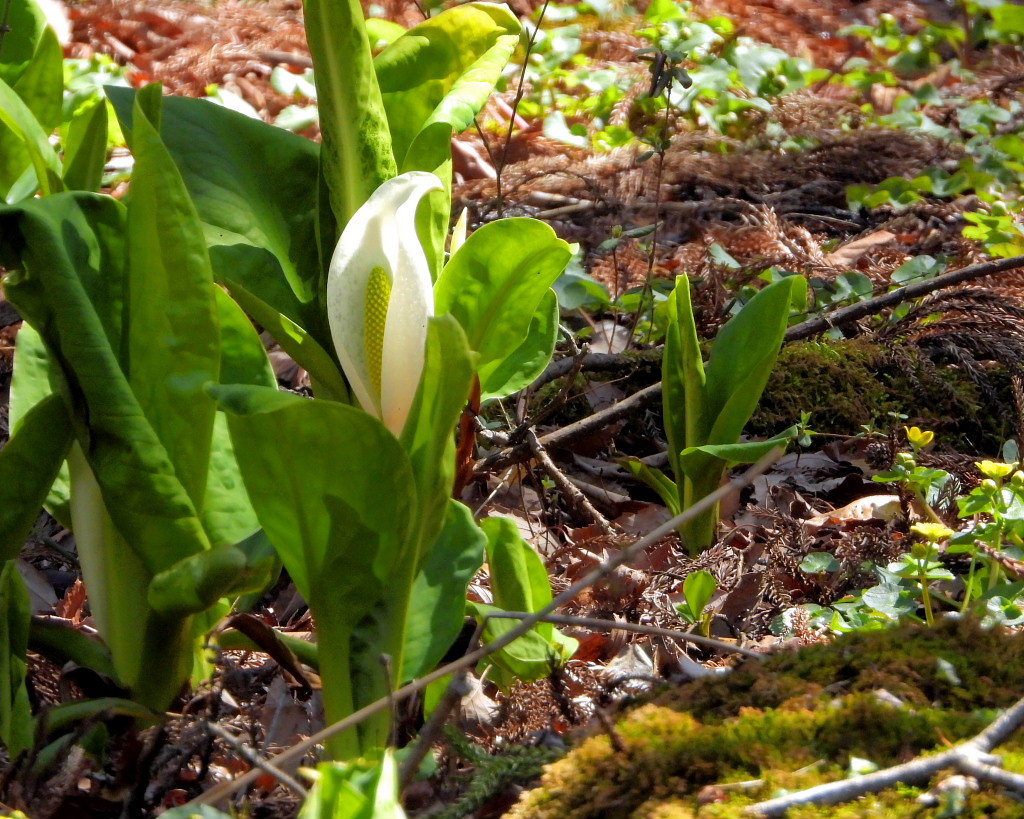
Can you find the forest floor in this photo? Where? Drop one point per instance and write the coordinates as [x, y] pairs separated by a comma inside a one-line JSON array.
[[719, 204]]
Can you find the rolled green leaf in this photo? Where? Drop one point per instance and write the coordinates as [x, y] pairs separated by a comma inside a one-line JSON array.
[[16, 726]]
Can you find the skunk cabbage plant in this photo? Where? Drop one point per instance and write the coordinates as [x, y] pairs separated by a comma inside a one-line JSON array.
[[124, 329], [707, 405]]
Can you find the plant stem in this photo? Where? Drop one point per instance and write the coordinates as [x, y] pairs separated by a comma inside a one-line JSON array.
[[926, 600], [334, 650]]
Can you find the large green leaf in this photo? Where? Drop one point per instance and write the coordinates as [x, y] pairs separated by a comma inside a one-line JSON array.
[[27, 24], [36, 379], [335, 495], [41, 84], [356, 157], [682, 376], [524, 364], [519, 580], [15, 709], [173, 338], [318, 490], [428, 436], [437, 608], [255, 188], [85, 148], [436, 77], [29, 463], [495, 284], [65, 251], [743, 356], [24, 144]]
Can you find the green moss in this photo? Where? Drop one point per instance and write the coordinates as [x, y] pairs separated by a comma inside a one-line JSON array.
[[794, 720], [847, 383]]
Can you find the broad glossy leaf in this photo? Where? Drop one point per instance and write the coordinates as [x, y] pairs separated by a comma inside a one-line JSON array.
[[41, 84], [519, 580], [255, 188], [85, 149], [15, 710], [173, 343], [743, 356], [27, 24], [21, 138], [356, 157], [66, 250], [335, 493], [438, 75], [35, 379], [428, 436], [29, 463], [438, 605], [496, 282], [524, 364]]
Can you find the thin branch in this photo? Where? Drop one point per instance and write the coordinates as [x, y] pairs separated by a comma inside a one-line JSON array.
[[453, 693], [854, 312], [253, 758], [915, 772], [598, 624], [226, 789], [520, 92], [576, 499]]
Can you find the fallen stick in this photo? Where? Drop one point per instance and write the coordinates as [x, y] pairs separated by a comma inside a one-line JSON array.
[[971, 757]]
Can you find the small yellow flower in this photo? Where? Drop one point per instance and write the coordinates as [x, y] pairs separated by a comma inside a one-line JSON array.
[[994, 469], [918, 437], [931, 532]]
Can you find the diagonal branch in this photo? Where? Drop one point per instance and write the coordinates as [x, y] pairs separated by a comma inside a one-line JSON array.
[[226, 789]]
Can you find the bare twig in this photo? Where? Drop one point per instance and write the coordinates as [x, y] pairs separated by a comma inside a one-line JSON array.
[[226, 789], [573, 496], [455, 691], [609, 625], [520, 92], [573, 432], [253, 758], [970, 757]]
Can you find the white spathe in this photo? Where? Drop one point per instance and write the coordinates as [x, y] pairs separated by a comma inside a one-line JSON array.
[[382, 236]]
